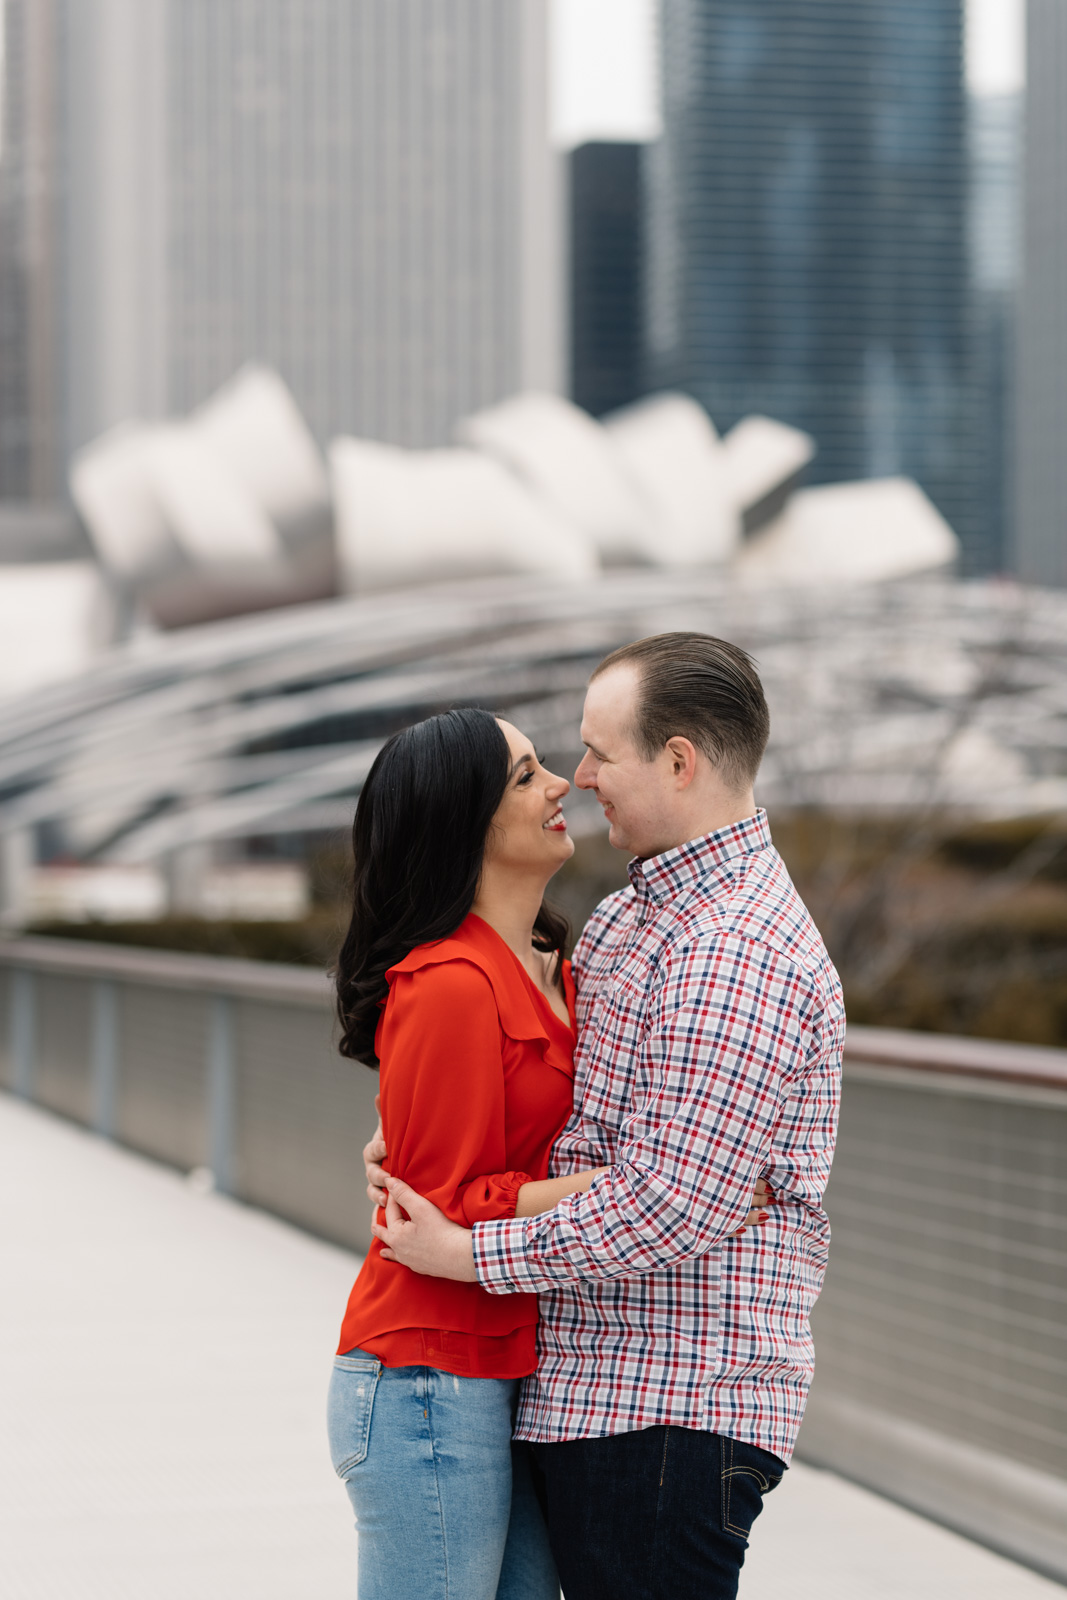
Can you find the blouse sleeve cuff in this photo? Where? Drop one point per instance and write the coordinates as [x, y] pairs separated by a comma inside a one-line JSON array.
[[491, 1198]]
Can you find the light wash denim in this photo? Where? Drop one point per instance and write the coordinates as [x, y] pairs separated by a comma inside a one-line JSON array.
[[445, 1508]]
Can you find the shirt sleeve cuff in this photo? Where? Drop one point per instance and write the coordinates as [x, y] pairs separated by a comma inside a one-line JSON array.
[[492, 1197], [500, 1257]]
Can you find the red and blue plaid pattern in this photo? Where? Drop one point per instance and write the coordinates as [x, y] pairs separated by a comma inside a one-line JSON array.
[[710, 1035]]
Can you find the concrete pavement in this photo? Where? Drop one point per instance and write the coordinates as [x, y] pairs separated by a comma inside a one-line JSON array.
[[164, 1356]]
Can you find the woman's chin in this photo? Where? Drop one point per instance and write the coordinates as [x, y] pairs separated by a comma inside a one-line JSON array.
[[562, 849]]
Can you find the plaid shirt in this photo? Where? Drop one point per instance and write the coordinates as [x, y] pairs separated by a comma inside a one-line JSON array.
[[710, 1035]]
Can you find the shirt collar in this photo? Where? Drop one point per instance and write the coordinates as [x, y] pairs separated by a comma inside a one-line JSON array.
[[666, 876]]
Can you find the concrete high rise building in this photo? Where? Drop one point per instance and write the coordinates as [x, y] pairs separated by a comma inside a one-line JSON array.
[[31, 280], [808, 231], [360, 193], [1041, 458]]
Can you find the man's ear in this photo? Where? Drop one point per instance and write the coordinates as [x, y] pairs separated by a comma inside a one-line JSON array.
[[683, 757]]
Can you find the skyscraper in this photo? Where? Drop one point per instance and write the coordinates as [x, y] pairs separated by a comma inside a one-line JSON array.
[[1041, 461], [607, 299], [31, 115], [995, 130], [808, 234], [359, 193]]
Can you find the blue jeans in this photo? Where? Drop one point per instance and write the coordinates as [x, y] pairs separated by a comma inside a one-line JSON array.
[[445, 1507]]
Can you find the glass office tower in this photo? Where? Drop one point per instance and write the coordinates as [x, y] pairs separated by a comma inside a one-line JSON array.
[[1041, 532], [808, 236], [607, 302]]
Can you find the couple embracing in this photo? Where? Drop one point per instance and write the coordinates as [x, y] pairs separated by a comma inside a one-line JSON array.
[[578, 1351]]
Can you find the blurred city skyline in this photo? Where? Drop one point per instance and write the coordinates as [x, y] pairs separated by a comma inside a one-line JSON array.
[[806, 211], [604, 68]]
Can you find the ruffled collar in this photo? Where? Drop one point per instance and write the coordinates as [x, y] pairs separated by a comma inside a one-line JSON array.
[[523, 1014]]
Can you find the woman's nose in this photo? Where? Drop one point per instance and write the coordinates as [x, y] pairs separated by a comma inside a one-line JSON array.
[[557, 787]]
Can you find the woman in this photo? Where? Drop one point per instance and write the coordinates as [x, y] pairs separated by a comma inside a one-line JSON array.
[[452, 977]]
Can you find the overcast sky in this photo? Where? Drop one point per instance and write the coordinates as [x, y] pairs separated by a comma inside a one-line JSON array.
[[604, 72]]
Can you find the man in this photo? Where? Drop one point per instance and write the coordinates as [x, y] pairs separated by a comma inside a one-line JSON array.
[[674, 1359]]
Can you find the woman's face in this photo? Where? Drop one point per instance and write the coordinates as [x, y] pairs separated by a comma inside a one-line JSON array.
[[529, 830]]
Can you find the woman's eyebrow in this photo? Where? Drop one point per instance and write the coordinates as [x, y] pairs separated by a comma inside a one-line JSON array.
[[519, 761]]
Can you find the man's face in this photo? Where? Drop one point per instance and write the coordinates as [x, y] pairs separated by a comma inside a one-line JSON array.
[[636, 794]]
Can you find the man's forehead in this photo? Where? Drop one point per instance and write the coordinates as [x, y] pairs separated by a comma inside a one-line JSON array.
[[609, 699]]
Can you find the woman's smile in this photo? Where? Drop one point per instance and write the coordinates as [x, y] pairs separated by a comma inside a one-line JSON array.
[[557, 822]]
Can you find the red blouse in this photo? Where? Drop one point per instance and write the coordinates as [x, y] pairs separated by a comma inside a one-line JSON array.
[[476, 1082]]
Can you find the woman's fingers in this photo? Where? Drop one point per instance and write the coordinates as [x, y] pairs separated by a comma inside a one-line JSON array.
[[755, 1219], [374, 1153], [375, 1150], [376, 1184]]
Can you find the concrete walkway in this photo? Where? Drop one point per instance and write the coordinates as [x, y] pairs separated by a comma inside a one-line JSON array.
[[164, 1357]]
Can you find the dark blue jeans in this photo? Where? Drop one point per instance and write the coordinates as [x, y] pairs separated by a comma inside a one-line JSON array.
[[661, 1514]]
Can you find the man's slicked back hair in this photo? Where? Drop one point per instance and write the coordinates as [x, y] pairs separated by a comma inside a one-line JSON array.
[[693, 686]]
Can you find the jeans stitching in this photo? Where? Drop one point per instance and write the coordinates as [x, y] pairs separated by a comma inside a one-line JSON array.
[[654, 1545], [729, 1474], [373, 1372], [436, 1479], [663, 1462]]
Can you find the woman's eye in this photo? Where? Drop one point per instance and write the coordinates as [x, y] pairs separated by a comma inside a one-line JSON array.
[[527, 777]]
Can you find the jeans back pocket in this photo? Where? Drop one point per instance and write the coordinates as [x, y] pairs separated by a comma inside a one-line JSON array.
[[748, 1474], [349, 1407]]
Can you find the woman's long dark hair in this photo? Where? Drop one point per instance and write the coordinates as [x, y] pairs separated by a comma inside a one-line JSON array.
[[419, 839]]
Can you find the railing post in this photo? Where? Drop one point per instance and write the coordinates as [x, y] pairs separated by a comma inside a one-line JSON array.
[[221, 1092], [105, 1057], [16, 864], [23, 1039]]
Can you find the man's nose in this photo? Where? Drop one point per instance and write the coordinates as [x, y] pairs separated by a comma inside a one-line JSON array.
[[585, 777]]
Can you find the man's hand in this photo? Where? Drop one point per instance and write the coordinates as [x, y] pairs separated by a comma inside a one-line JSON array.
[[424, 1239]]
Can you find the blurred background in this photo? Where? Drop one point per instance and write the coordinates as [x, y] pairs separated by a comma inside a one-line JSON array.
[[360, 358], [308, 303]]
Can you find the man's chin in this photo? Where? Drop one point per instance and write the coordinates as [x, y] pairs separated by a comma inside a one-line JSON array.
[[617, 839]]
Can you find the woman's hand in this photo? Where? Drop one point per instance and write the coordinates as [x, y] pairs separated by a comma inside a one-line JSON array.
[[423, 1239], [757, 1215], [374, 1153]]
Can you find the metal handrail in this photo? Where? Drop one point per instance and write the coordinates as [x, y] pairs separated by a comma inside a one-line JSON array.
[[993, 1060], [170, 969], [989, 1059]]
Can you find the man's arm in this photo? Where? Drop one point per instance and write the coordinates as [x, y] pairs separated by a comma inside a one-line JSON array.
[[727, 1038], [419, 1236]]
